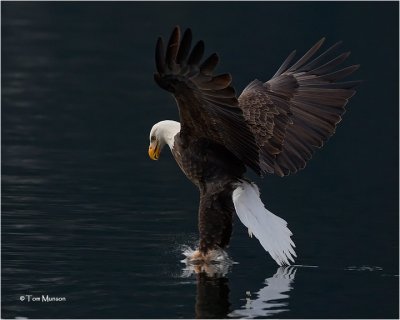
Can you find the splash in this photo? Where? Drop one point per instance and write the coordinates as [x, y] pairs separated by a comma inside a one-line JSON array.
[[217, 263]]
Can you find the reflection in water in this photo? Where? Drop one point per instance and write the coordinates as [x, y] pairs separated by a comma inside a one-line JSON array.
[[364, 268], [212, 298], [271, 299]]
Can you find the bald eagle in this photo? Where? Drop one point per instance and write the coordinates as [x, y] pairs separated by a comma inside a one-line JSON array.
[[273, 127]]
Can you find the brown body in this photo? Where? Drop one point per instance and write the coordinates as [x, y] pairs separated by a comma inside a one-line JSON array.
[[215, 171]]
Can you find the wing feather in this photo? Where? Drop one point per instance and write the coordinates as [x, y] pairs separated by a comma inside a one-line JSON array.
[[208, 66], [307, 55], [172, 48], [331, 64], [285, 64], [196, 54], [312, 64], [160, 63], [184, 48], [298, 109]]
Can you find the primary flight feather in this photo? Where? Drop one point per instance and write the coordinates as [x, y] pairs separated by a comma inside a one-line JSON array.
[[272, 127]]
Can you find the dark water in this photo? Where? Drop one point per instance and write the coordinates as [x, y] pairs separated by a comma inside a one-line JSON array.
[[87, 216]]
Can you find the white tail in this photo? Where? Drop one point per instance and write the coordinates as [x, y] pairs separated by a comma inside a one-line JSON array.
[[268, 228]]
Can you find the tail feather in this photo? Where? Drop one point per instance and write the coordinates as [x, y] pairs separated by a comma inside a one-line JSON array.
[[268, 228]]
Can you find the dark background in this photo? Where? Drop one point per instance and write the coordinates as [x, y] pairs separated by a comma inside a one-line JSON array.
[[87, 216]]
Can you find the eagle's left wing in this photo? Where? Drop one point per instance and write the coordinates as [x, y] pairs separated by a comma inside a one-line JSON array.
[[208, 107], [298, 109]]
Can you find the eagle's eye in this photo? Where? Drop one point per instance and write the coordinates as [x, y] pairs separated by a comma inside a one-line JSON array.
[[153, 138]]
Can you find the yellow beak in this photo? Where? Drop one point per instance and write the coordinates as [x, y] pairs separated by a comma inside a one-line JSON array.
[[154, 151]]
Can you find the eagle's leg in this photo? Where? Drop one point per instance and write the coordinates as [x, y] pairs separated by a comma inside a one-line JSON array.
[[197, 256], [215, 223]]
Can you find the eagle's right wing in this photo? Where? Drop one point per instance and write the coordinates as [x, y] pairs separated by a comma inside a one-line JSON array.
[[208, 107], [297, 110]]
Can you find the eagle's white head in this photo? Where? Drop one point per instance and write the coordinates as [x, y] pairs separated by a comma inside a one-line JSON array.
[[162, 133]]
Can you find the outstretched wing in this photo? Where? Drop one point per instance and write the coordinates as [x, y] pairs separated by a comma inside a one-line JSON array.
[[208, 106], [298, 109]]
